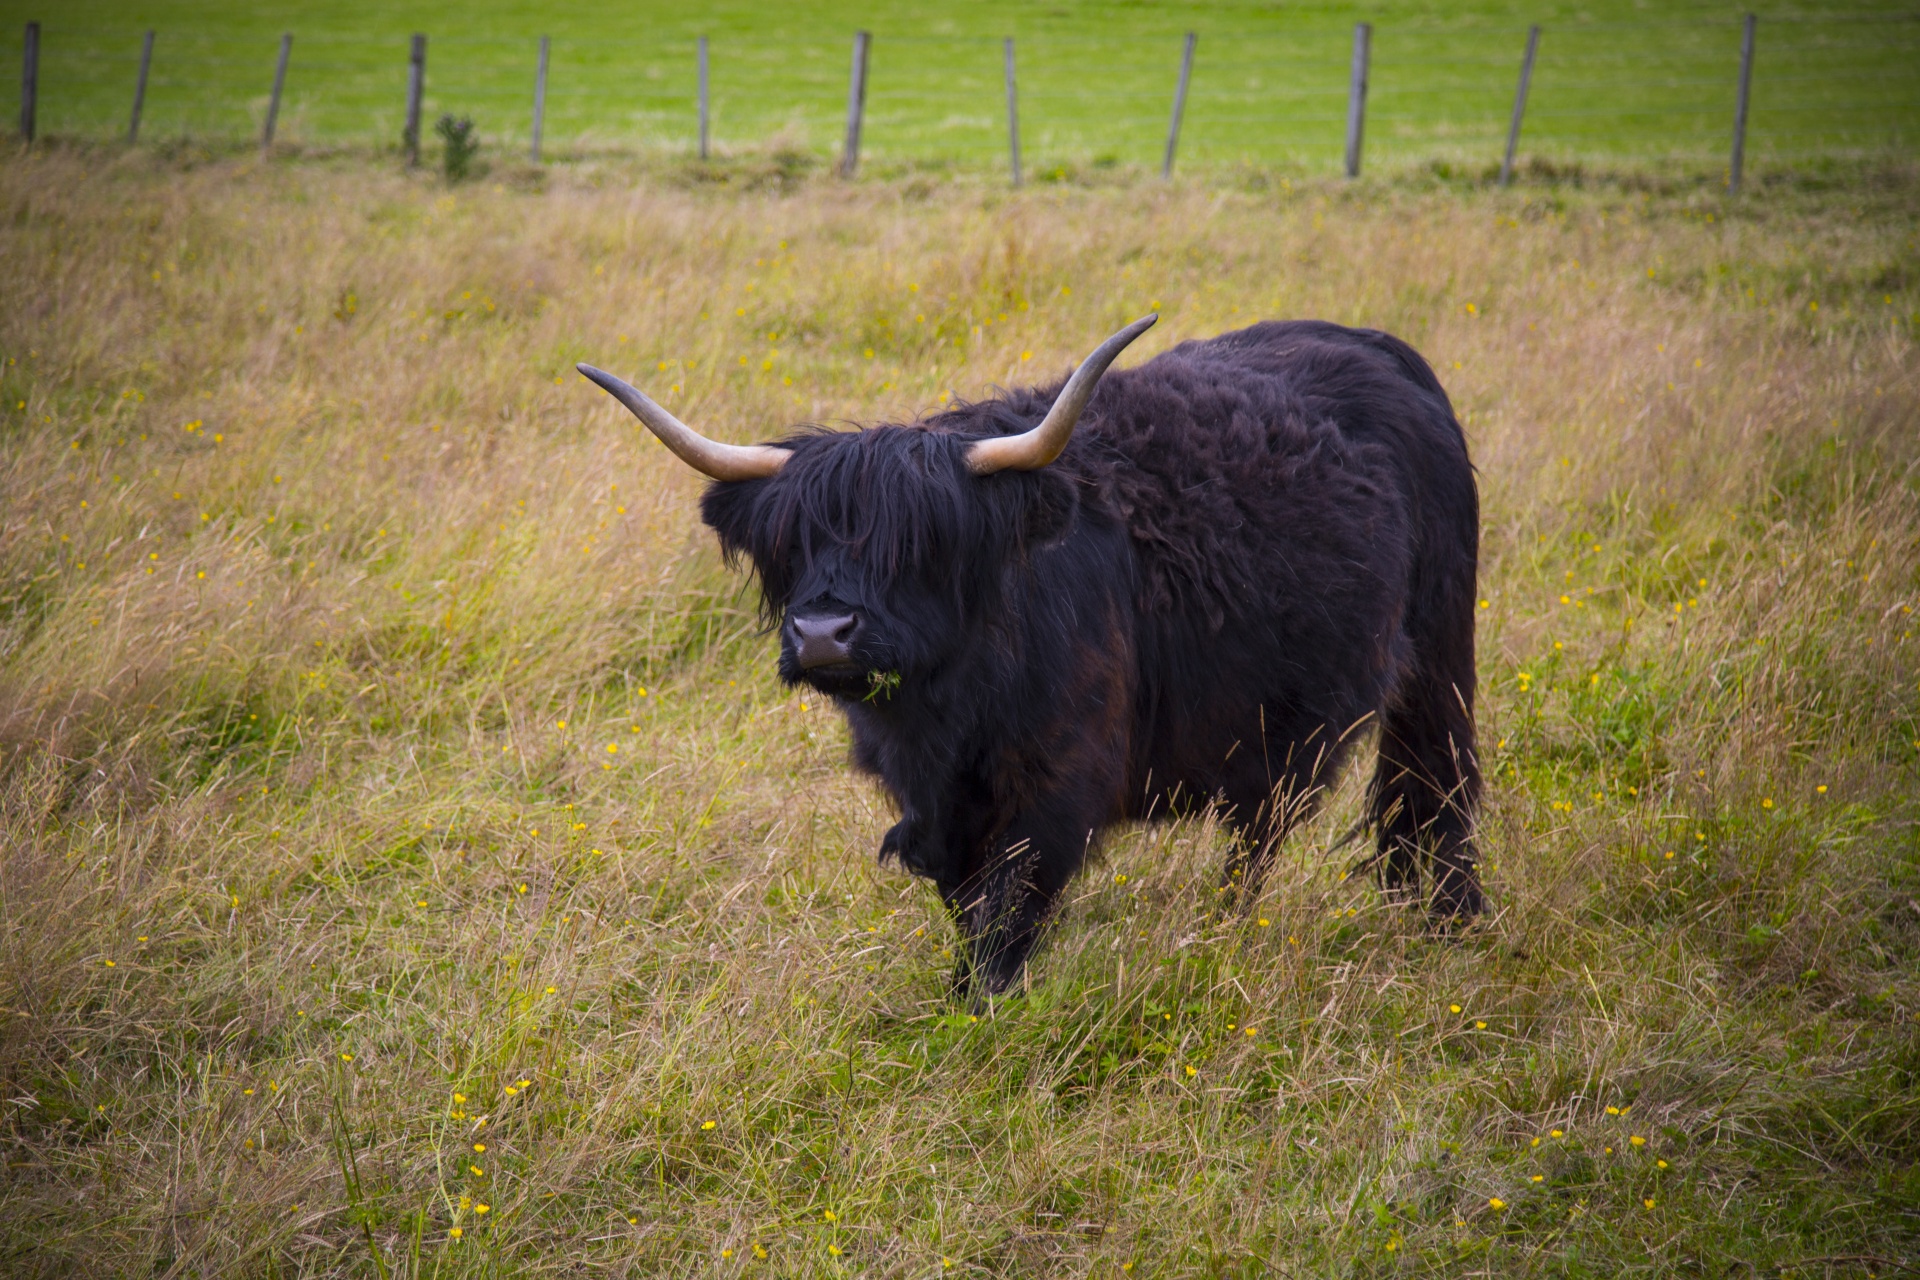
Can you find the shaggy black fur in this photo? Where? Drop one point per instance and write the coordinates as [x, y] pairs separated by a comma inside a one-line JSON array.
[[1255, 548]]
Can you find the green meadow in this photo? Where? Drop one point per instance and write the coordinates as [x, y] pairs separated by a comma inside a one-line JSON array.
[[1616, 82], [411, 866]]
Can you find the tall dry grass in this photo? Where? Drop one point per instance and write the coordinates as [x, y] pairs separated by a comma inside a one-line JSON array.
[[412, 866]]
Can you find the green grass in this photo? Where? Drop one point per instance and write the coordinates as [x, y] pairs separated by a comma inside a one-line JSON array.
[[325, 588], [1615, 81]]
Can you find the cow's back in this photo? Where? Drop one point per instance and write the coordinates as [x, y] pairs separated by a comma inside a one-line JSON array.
[[1276, 484]]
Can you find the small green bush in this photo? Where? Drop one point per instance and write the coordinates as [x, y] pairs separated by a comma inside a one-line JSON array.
[[461, 145]]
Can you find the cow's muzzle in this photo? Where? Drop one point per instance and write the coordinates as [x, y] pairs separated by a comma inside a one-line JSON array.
[[823, 641]]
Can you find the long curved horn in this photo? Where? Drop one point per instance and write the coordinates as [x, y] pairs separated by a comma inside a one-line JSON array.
[[708, 457], [1031, 450]]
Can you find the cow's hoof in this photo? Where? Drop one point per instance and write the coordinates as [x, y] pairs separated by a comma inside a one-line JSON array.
[[980, 1001], [994, 983], [1460, 901], [1454, 923], [1400, 895]]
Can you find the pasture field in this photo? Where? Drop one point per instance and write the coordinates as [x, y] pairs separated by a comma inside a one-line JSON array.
[[412, 866], [1616, 79]]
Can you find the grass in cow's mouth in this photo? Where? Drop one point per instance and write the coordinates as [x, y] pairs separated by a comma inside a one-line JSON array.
[[318, 618], [881, 685]]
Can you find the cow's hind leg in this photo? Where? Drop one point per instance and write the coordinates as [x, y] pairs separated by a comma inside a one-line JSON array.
[[1268, 796], [1425, 789]]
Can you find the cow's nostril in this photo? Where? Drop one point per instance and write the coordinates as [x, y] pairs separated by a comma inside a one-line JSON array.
[[823, 641]]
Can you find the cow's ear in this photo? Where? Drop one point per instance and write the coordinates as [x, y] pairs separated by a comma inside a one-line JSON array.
[[1052, 501], [728, 507]]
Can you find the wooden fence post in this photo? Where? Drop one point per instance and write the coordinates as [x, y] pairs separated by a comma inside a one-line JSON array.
[[279, 83], [1179, 105], [1519, 104], [1013, 115], [1357, 95], [706, 148], [30, 80], [1740, 106], [856, 103], [140, 88], [416, 86], [539, 101]]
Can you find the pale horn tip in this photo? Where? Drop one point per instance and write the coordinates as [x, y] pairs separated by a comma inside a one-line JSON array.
[[1040, 446], [709, 457]]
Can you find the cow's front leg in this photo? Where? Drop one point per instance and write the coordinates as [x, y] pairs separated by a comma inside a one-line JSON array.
[[942, 823], [912, 844], [1005, 906]]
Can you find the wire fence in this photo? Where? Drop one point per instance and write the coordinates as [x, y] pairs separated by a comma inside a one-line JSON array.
[[1824, 86]]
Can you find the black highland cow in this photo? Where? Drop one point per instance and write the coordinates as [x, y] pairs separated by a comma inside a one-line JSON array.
[[1253, 549]]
